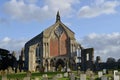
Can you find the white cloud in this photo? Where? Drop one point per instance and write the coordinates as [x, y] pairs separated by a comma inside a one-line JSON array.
[[98, 8], [12, 44], [19, 9], [105, 45]]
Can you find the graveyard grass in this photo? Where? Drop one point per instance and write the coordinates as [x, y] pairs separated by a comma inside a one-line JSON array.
[[34, 74], [39, 75]]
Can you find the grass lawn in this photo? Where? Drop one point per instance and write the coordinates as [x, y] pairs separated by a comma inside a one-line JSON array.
[[34, 74]]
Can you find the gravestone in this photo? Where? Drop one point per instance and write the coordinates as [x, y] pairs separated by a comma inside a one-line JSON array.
[[82, 76], [89, 73], [55, 78], [65, 74], [104, 71], [26, 78], [78, 73], [44, 77], [104, 78], [116, 77], [59, 75], [36, 78], [118, 74], [53, 69], [100, 74], [10, 70], [68, 70], [28, 74], [72, 76], [4, 77]]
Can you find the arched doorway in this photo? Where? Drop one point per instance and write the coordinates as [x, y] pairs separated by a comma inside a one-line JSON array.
[[59, 65]]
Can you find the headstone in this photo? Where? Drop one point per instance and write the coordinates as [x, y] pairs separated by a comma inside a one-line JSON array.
[[116, 77], [36, 78], [82, 76], [66, 74], [26, 78], [110, 72], [78, 73], [100, 74], [46, 70], [104, 78], [53, 69], [44, 77], [104, 71], [10, 70], [55, 78], [72, 76], [4, 77], [28, 74], [89, 73], [68, 69], [59, 75]]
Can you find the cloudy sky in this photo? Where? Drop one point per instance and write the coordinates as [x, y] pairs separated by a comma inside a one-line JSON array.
[[96, 23]]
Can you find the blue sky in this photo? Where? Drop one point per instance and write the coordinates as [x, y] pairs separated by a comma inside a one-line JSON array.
[[96, 23]]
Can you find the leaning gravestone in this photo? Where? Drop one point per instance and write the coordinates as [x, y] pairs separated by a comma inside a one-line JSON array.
[[82, 76], [104, 78], [116, 77], [100, 74]]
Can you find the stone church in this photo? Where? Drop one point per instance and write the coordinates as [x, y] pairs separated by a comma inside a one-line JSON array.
[[55, 47]]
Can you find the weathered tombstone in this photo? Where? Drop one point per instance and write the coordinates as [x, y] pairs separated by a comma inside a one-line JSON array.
[[26, 78], [59, 75], [68, 70], [44, 77], [110, 72], [82, 76], [53, 69], [4, 77], [118, 74], [10, 70], [36, 78], [54, 78], [28, 74], [78, 73], [46, 70], [66, 74], [89, 73], [104, 71], [100, 74], [116, 77], [72, 76], [104, 78]]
